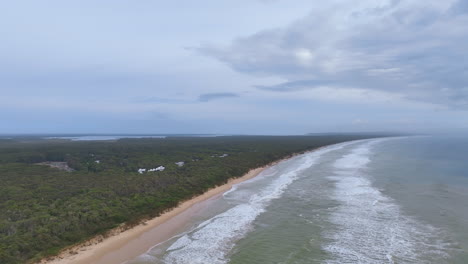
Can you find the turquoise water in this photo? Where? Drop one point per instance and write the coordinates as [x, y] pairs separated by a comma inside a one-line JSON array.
[[401, 200]]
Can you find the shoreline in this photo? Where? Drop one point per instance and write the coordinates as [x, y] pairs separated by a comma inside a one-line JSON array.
[[123, 245]]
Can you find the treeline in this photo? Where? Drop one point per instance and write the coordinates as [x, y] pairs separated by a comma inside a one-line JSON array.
[[43, 209]]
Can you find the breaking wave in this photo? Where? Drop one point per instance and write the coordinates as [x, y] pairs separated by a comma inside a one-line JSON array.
[[370, 227], [212, 240]]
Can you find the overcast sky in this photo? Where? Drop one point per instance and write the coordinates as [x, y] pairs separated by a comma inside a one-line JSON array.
[[233, 66]]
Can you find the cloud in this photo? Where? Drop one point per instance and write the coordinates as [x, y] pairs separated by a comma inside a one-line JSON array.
[[410, 48], [215, 96], [159, 100], [294, 85], [360, 122], [460, 7]]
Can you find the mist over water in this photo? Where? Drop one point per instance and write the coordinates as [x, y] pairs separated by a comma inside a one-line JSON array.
[[334, 205]]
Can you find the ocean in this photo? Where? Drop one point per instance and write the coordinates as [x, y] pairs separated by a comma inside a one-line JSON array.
[[391, 200]]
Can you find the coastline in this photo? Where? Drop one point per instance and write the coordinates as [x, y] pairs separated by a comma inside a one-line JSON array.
[[122, 245]]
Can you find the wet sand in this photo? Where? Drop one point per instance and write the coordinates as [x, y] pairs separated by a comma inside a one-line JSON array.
[[122, 246]]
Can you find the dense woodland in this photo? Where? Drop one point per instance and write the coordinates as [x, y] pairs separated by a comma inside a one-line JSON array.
[[44, 209]]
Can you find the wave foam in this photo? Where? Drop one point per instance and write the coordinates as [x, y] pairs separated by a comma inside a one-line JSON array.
[[212, 240], [369, 226]]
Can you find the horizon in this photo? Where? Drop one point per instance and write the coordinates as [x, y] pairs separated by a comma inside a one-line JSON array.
[[262, 67], [198, 134]]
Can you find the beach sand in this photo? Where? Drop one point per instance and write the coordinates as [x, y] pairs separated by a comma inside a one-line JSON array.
[[121, 246]]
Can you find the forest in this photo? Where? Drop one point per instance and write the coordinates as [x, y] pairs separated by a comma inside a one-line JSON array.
[[100, 185]]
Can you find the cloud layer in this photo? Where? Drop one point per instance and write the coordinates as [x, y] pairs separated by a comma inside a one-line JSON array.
[[214, 96], [263, 66], [415, 49]]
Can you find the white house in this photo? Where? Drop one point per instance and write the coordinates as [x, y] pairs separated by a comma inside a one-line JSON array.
[[160, 168]]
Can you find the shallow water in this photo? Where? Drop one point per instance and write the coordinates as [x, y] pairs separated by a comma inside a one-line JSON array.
[[371, 201]]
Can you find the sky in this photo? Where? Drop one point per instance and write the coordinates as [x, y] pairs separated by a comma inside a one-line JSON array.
[[233, 66]]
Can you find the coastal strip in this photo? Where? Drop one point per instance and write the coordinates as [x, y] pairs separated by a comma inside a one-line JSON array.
[[123, 245]]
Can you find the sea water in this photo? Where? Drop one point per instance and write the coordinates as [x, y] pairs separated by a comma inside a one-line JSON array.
[[395, 200]]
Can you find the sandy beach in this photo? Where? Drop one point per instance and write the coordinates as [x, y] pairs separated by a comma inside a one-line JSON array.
[[121, 246]]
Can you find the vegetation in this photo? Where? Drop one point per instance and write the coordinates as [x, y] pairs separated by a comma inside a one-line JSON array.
[[44, 209]]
